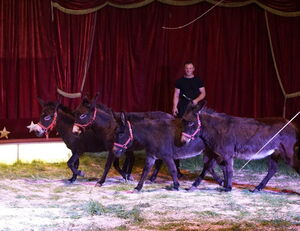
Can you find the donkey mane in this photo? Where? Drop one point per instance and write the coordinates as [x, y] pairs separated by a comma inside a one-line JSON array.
[[67, 113], [103, 107]]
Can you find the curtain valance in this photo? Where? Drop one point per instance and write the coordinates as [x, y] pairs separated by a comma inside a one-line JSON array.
[[288, 8]]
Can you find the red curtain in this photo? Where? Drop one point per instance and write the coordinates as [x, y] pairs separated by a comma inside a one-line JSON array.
[[27, 57], [139, 61], [26, 62], [74, 36], [285, 35], [133, 62]]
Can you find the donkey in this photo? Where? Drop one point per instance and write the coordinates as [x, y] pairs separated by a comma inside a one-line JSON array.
[[56, 115], [103, 121], [242, 138], [158, 137]]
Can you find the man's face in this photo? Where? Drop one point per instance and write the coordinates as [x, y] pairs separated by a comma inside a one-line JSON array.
[[189, 69]]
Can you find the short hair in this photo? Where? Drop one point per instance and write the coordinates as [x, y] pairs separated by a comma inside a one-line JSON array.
[[188, 62]]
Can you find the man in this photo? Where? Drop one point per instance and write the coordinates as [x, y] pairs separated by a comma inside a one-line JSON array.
[[187, 88]]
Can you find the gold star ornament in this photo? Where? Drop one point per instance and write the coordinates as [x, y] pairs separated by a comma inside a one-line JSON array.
[[4, 133]]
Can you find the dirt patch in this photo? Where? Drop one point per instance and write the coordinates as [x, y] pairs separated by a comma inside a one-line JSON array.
[[42, 204]]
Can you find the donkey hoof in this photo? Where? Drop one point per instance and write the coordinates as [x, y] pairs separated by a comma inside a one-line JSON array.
[[136, 190], [98, 184], [152, 179], [172, 188], [81, 173], [72, 179], [191, 189], [254, 190], [228, 189], [130, 178]]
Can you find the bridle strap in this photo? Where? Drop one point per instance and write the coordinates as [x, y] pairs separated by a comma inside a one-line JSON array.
[[50, 127], [88, 123], [192, 137], [130, 138]]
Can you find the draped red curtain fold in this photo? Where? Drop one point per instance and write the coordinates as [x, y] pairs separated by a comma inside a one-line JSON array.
[[26, 57], [73, 36], [285, 36]]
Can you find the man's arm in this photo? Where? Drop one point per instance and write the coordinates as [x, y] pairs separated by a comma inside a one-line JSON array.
[[201, 96], [175, 101]]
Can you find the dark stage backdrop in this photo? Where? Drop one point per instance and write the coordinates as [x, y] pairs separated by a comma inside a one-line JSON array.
[[247, 55]]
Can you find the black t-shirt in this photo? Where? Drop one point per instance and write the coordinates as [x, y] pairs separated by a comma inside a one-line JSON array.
[[189, 87]]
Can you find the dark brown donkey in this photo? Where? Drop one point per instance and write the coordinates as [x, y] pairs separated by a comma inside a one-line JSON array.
[[158, 137], [56, 115], [102, 121], [242, 138]]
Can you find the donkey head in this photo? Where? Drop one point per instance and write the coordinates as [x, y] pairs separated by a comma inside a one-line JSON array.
[[85, 114], [124, 136], [47, 118], [191, 121]]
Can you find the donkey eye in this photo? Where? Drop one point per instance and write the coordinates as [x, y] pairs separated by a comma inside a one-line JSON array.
[[82, 116], [190, 124], [48, 117]]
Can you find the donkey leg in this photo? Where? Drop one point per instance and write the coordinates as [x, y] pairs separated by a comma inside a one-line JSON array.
[[109, 161], [173, 171], [148, 165], [217, 158], [228, 173], [73, 164], [207, 163], [272, 169], [116, 164], [177, 163], [129, 165], [214, 174], [157, 167], [125, 164]]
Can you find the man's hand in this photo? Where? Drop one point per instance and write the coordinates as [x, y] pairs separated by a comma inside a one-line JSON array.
[[175, 111]]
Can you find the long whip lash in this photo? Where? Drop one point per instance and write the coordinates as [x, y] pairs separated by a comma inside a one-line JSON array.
[[271, 139], [179, 27]]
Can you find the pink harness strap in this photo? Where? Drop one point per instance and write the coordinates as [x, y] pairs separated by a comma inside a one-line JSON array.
[[50, 127], [192, 137], [88, 123], [130, 138]]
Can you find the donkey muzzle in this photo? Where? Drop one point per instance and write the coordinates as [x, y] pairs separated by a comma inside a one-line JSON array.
[[184, 139], [38, 130], [117, 151], [76, 129]]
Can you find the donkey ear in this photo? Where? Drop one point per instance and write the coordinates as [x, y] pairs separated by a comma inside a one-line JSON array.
[[85, 101], [114, 115], [123, 118], [201, 105], [57, 103], [95, 99], [41, 102]]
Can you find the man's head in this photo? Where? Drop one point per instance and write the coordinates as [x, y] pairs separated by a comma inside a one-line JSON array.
[[189, 69]]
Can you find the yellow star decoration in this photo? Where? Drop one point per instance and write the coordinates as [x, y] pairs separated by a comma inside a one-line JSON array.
[[4, 133], [31, 127]]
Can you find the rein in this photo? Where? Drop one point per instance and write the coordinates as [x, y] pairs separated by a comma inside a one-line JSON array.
[[88, 123], [50, 126], [130, 138], [192, 137]]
